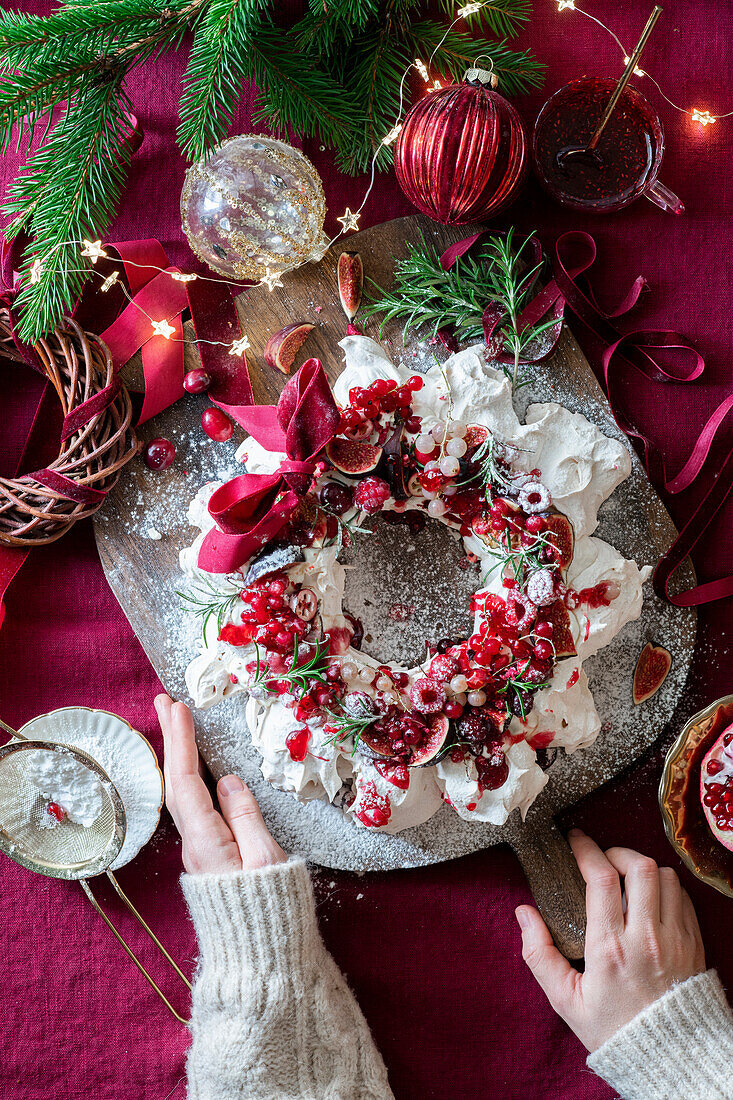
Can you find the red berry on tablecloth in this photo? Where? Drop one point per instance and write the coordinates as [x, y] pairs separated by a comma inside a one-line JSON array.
[[159, 453], [371, 494], [216, 424], [197, 381]]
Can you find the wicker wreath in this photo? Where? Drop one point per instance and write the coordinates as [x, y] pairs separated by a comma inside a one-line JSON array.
[[34, 512]]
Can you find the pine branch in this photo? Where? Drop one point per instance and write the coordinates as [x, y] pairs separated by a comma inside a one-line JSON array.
[[69, 189], [95, 31], [503, 18], [517, 70], [296, 95], [217, 68]]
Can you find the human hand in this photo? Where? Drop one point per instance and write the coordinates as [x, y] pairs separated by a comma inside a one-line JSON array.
[[237, 839], [632, 957]]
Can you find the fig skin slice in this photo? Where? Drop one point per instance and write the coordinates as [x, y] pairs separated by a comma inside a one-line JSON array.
[[562, 635], [559, 532], [717, 768], [351, 282], [435, 747], [353, 457], [652, 669], [283, 346], [391, 466]]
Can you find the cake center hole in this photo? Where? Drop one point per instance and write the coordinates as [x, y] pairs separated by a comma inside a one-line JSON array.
[[408, 588]]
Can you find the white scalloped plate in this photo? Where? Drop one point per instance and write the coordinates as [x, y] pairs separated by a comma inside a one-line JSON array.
[[126, 756]]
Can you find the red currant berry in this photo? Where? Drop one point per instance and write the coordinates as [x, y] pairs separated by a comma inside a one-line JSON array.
[[196, 381], [543, 650], [415, 382], [453, 710], [543, 628], [159, 454], [534, 524], [380, 386], [216, 424]]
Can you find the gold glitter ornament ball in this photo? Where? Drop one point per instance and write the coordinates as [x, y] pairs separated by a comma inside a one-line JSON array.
[[256, 206]]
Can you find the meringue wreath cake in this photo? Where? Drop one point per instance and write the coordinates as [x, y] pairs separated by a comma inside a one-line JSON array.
[[385, 744]]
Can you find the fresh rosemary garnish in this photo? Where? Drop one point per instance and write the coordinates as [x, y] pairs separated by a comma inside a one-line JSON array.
[[523, 560], [209, 600], [424, 294], [343, 525], [298, 676], [346, 725]]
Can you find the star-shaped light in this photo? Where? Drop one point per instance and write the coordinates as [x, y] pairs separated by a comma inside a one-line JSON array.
[[181, 277], [468, 9], [703, 117], [162, 328], [93, 251], [349, 220], [563, 4], [36, 271], [109, 281], [238, 347], [271, 279]]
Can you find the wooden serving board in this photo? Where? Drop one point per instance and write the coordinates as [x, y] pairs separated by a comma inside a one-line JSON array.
[[143, 526]]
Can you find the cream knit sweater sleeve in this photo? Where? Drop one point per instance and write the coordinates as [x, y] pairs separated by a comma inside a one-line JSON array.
[[679, 1048], [272, 1016]]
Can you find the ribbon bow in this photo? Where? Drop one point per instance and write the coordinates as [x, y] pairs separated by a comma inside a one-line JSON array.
[[251, 509]]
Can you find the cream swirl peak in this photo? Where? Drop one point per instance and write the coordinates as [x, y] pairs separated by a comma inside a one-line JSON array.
[[388, 745]]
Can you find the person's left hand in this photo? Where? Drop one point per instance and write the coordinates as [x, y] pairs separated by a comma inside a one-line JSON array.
[[237, 839]]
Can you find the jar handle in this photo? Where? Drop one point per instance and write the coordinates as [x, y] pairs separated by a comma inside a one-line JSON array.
[[664, 198]]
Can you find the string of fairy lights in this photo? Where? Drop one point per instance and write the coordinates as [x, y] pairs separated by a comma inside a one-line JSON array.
[[349, 220], [696, 114]]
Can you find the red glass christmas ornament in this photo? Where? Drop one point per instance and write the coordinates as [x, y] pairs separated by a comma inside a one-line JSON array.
[[461, 155]]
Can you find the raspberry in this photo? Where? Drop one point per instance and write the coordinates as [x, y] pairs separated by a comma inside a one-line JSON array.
[[427, 695], [371, 494], [442, 667]]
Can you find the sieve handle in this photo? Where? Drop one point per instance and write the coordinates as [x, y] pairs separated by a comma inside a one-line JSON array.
[[11, 731], [87, 890]]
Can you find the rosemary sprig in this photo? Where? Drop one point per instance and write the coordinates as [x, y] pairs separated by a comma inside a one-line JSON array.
[[207, 600], [523, 560], [352, 528], [424, 294], [298, 677], [349, 725]]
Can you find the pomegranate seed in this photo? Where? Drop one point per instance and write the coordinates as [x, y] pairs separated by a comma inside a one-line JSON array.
[[56, 811], [714, 766], [216, 424], [159, 454], [196, 381]]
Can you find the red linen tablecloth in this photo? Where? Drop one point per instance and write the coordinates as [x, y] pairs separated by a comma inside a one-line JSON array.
[[433, 955]]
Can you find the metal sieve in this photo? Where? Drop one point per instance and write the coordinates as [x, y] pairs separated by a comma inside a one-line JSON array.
[[67, 850]]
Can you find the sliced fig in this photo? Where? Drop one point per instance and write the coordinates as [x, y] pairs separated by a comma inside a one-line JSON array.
[[391, 468], [651, 671], [351, 281], [275, 557], [353, 457], [559, 532], [435, 746], [716, 788], [476, 434], [374, 746], [283, 346], [562, 634]]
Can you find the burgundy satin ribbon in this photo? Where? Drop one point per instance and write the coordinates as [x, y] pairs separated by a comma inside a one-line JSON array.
[[251, 509], [575, 253]]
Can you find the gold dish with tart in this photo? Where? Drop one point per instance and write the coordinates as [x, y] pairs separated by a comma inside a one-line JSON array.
[[699, 758]]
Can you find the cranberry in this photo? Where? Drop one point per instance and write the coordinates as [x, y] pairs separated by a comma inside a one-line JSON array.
[[216, 424], [196, 381], [159, 454], [337, 498]]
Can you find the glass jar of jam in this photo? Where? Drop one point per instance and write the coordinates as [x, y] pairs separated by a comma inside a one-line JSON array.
[[626, 161]]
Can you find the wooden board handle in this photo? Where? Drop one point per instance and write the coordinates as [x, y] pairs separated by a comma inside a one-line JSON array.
[[554, 879]]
